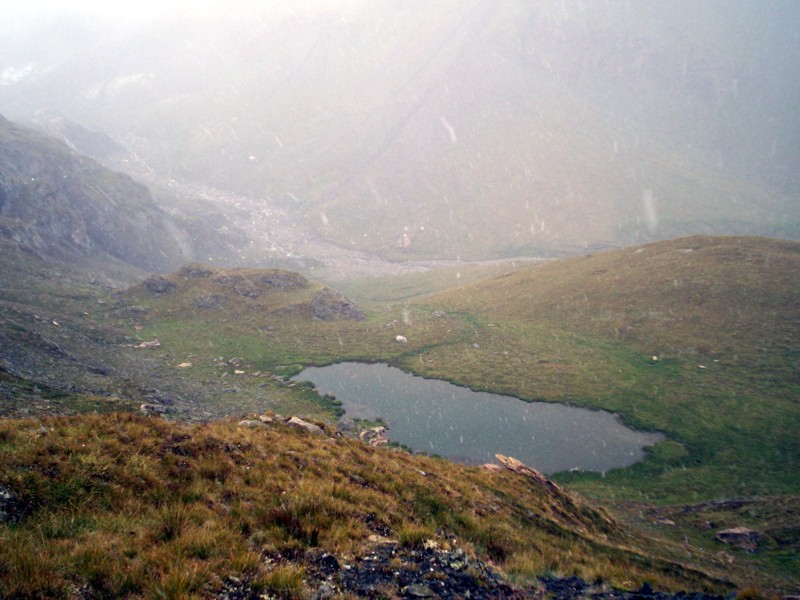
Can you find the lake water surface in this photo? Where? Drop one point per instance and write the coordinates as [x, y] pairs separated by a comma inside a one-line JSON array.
[[437, 417]]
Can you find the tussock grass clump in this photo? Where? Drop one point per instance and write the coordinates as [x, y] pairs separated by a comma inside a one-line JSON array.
[[129, 505], [284, 580]]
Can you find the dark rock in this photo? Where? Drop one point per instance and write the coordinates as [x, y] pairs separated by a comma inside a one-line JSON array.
[[10, 508], [58, 203], [283, 280], [323, 565], [158, 285], [326, 590], [209, 301], [246, 290], [196, 271], [418, 591], [576, 588], [740, 537], [373, 523], [330, 305], [727, 504], [424, 573]]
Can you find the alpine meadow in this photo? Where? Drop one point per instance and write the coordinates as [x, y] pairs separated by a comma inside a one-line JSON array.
[[379, 299]]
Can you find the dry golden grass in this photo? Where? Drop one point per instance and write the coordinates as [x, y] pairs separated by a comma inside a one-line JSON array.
[[135, 506]]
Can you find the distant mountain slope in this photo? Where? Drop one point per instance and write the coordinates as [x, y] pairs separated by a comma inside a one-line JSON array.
[[56, 202], [461, 128]]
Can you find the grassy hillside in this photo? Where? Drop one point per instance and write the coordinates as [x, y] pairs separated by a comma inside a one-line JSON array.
[[695, 337], [135, 506]]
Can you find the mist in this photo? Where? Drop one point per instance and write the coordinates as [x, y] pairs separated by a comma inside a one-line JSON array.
[[417, 130]]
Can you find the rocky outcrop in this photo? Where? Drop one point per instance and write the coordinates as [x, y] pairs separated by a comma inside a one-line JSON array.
[[301, 424], [330, 305], [58, 203], [158, 285], [195, 271], [740, 537], [10, 509], [86, 141], [281, 280], [251, 423], [153, 410], [375, 437], [512, 464], [423, 572], [429, 571], [209, 301]]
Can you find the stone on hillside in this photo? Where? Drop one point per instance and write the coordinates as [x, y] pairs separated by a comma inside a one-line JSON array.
[[374, 437], [301, 424], [158, 285], [379, 539], [150, 344], [9, 506], [208, 301], [153, 409], [740, 537], [512, 464], [330, 305], [418, 590], [246, 290], [282, 280], [251, 423], [196, 271]]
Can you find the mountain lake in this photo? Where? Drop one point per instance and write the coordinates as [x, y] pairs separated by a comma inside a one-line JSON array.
[[438, 417]]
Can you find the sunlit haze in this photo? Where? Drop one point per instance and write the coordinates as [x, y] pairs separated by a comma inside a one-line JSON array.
[[149, 9], [245, 244]]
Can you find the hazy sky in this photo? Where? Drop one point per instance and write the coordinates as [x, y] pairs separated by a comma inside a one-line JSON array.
[[140, 9], [148, 9], [460, 117]]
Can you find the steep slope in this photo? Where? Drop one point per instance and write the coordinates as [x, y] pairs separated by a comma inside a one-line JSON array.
[[57, 203], [458, 129], [126, 506], [71, 341]]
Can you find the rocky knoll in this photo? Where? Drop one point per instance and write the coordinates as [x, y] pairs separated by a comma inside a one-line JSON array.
[[330, 305], [58, 203]]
